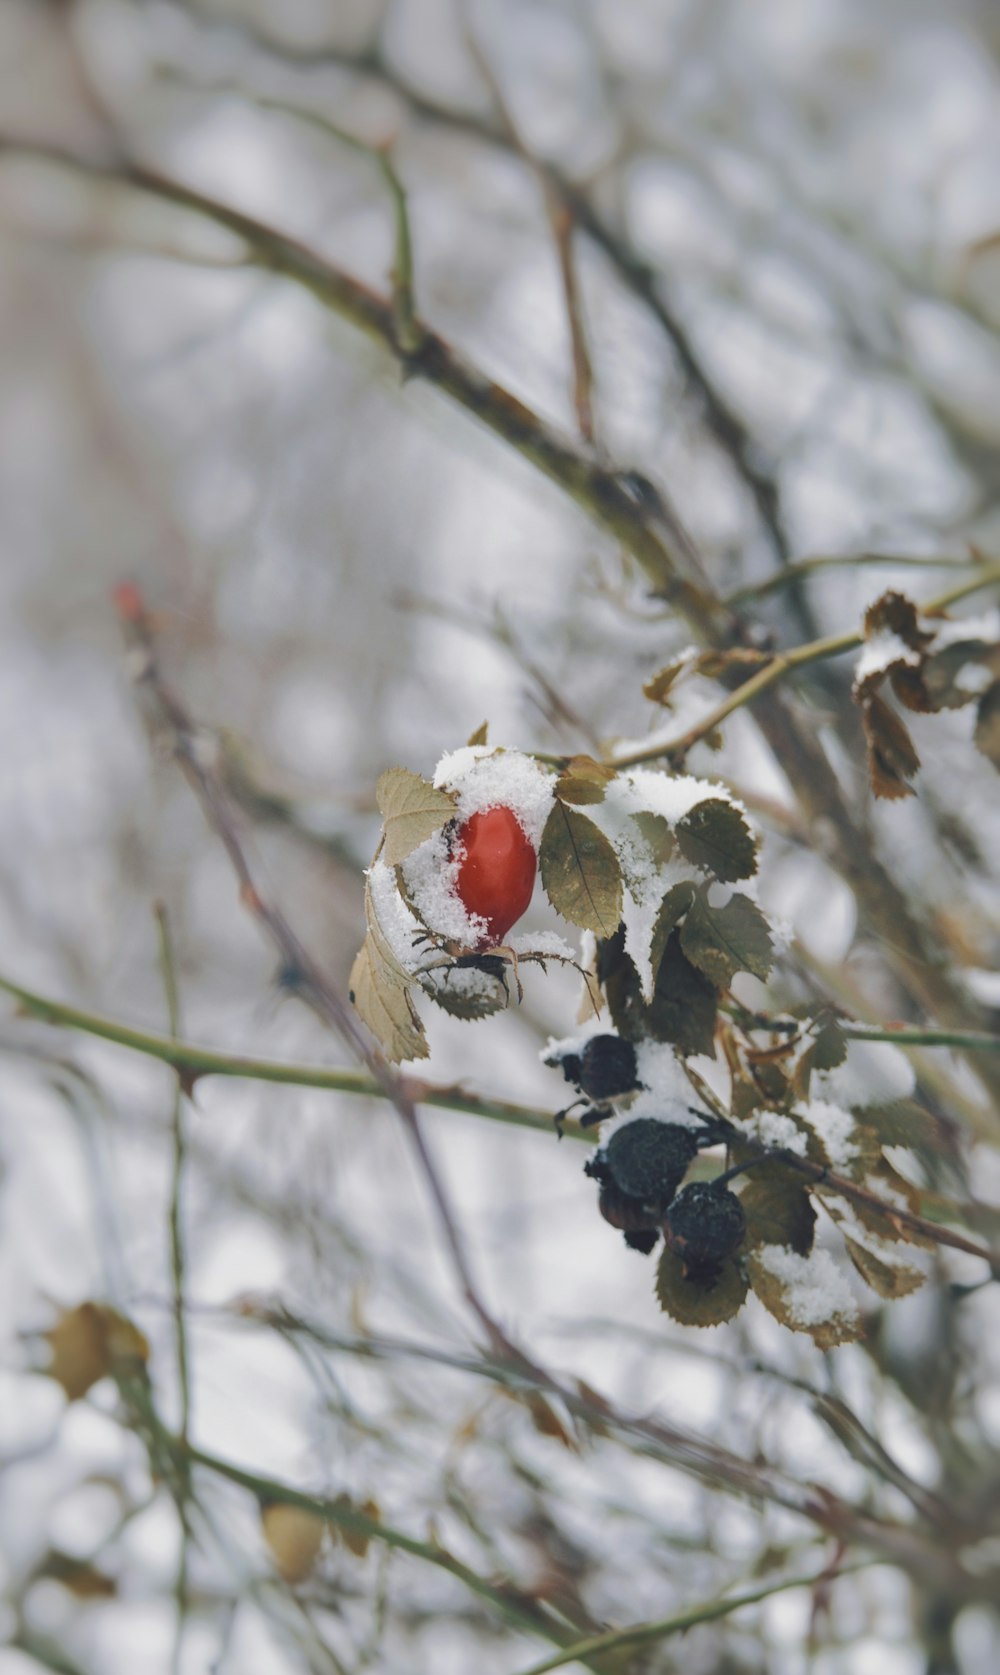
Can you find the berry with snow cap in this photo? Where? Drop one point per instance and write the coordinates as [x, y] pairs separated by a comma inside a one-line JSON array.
[[703, 1226], [605, 1068]]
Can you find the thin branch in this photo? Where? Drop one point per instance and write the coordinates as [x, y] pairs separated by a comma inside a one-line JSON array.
[[561, 222], [169, 971], [514, 1606], [806, 567], [649, 1634], [784, 662], [193, 1062]]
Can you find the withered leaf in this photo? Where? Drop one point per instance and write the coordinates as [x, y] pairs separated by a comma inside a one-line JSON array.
[[987, 733], [480, 734], [383, 1003], [294, 1536], [892, 756], [656, 833], [580, 872], [412, 809], [889, 1279]]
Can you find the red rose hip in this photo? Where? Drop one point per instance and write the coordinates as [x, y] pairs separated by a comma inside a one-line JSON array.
[[497, 872]]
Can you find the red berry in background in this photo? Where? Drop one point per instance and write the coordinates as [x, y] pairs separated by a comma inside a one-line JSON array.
[[497, 873]]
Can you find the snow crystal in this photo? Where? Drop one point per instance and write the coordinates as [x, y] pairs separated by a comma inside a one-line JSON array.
[[557, 1048], [397, 923], [879, 653], [873, 1073], [834, 1127], [431, 875], [773, 1128], [486, 778], [815, 1289]]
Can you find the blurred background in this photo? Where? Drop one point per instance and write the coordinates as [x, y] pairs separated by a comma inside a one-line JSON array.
[[787, 255]]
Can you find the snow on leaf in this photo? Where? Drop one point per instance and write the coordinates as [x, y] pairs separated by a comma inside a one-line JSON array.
[[580, 872], [806, 1293], [412, 810]]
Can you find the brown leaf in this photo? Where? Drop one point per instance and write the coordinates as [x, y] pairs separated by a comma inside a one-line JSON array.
[[294, 1536], [889, 1279], [583, 780], [987, 733], [892, 757], [88, 1343], [480, 734]]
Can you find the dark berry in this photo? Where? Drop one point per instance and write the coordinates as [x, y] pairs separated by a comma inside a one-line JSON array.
[[642, 1241], [703, 1226], [607, 1067], [629, 1215], [648, 1159], [570, 1067]]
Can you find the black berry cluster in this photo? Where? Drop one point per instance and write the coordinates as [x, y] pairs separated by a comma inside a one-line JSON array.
[[639, 1171], [703, 1225]]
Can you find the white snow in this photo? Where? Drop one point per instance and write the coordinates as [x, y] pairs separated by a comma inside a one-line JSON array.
[[835, 1127], [774, 1128], [397, 923], [815, 1289], [485, 778], [431, 875], [548, 944], [873, 1073]]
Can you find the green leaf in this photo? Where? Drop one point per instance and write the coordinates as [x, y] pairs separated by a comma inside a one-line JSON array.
[[987, 733], [480, 734], [654, 829], [684, 1004], [905, 1123], [580, 872], [714, 835], [889, 1279], [721, 941], [778, 1209], [413, 810], [673, 907], [583, 780], [692, 1302]]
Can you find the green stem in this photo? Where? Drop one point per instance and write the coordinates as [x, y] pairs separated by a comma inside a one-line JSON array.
[[783, 662], [806, 567], [342, 1515], [645, 1634], [194, 1061]]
